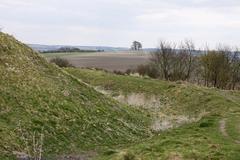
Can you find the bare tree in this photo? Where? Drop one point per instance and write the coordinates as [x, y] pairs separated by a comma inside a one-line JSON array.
[[189, 49], [216, 64], [184, 60], [162, 58], [218, 68], [235, 68]]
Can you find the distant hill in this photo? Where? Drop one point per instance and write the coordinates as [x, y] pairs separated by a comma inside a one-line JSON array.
[[47, 48], [41, 48]]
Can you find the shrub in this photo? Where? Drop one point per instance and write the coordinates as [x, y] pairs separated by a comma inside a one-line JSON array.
[[61, 62], [128, 71], [153, 72], [110, 152], [118, 72], [148, 70], [206, 123], [142, 70]]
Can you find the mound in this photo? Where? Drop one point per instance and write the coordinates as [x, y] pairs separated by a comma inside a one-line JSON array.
[[45, 111]]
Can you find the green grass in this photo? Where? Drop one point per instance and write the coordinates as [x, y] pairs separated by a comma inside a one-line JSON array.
[[38, 97], [192, 141], [195, 140], [233, 127]]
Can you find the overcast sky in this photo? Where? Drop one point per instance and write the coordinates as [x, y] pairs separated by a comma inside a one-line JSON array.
[[119, 22]]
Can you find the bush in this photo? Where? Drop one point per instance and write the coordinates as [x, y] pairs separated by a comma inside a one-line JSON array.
[[142, 70], [207, 123], [110, 152], [128, 71], [147, 70], [118, 72], [153, 72], [61, 62]]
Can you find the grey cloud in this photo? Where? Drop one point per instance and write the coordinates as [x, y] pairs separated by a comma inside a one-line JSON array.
[[115, 22]]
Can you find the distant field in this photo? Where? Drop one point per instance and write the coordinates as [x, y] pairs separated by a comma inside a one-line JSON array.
[[120, 61]]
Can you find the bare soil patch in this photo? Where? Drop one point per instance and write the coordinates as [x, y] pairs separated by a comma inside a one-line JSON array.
[[83, 156], [119, 61], [162, 119]]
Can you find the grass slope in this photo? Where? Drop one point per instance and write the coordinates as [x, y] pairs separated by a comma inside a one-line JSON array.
[[39, 98], [215, 135]]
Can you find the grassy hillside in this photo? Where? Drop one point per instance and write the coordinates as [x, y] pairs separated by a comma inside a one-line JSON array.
[[193, 122], [41, 103], [60, 110]]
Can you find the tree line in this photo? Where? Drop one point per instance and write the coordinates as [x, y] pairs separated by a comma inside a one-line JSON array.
[[70, 50], [218, 68]]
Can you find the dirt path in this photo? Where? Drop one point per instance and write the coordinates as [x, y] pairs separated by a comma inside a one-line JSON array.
[[76, 157], [222, 128]]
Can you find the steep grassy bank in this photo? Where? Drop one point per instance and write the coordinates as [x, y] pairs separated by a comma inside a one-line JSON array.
[[37, 98]]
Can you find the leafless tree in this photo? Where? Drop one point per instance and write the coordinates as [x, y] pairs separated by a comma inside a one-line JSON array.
[[217, 68], [189, 49], [162, 58], [235, 68]]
